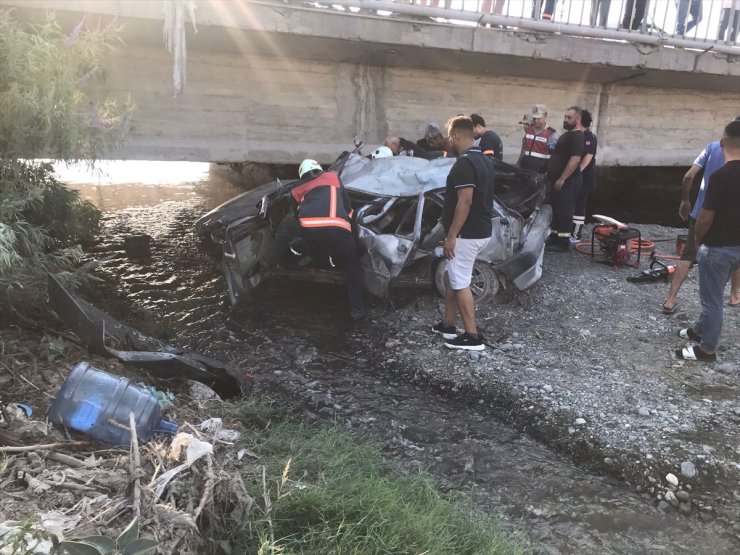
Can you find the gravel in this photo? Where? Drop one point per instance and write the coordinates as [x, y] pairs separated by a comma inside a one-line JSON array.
[[580, 347]]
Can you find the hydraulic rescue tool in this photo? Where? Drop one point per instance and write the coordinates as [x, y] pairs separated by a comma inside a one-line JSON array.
[[658, 271]]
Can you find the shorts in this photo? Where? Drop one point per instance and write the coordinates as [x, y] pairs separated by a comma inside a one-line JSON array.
[[689, 251], [460, 268]]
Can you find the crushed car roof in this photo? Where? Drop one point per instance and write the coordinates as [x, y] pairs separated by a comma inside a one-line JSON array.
[[400, 176]]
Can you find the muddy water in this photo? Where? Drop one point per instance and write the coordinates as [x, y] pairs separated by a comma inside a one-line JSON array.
[[299, 343]]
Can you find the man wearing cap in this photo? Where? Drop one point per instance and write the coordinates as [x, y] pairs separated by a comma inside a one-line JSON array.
[[539, 141]]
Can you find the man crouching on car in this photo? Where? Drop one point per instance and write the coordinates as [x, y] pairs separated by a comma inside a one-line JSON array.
[[324, 211], [466, 218]]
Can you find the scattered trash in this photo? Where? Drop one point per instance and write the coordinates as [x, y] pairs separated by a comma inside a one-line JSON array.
[[201, 392], [194, 450], [99, 404], [214, 426], [94, 327]]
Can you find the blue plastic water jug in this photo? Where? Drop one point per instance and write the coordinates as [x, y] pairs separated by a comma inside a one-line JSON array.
[[98, 404]]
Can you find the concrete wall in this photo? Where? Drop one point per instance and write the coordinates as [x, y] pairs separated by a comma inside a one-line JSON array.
[[280, 110], [274, 83]]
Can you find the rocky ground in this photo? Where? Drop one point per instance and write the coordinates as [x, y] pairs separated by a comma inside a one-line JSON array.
[[584, 362]]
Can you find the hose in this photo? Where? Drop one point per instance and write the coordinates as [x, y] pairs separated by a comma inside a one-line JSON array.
[[643, 245]]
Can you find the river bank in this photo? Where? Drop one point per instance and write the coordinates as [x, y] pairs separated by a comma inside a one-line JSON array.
[[554, 362]]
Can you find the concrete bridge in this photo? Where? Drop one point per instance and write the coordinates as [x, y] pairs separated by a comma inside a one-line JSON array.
[[275, 82]]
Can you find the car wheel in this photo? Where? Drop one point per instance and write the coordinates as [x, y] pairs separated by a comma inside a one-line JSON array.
[[484, 283]]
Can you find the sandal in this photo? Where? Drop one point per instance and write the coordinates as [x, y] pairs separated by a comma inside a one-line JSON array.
[[671, 310], [695, 354], [689, 334]]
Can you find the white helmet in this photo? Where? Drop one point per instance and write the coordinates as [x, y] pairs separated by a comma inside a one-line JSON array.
[[308, 165], [382, 152]]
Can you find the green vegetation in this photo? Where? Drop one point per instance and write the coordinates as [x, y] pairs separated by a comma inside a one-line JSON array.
[[41, 226], [128, 542], [319, 491], [45, 113]]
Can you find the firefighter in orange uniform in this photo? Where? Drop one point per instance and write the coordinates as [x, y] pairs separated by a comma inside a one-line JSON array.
[[324, 211]]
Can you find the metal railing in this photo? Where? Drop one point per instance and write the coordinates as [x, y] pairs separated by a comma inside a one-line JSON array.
[[695, 24]]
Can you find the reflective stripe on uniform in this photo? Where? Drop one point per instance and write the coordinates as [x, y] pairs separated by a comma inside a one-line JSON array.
[[333, 202], [325, 222], [541, 139], [538, 155]]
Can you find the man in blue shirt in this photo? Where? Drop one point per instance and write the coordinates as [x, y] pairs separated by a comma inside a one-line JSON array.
[[710, 160]]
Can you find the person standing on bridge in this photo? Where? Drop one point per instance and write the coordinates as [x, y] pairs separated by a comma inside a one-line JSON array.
[[489, 142], [724, 21], [564, 175], [599, 12], [548, 9], [495, 7], [634, 13], [466, 217], [539, 141], [686, 7], [718, 233]]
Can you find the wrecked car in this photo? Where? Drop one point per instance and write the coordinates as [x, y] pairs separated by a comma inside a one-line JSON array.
[[397, 205]]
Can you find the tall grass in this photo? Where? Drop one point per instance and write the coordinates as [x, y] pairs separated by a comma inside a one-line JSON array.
[[41, 226], [320, 491]]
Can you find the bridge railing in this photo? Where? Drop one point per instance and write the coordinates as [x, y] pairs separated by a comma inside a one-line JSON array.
[[695, 24]]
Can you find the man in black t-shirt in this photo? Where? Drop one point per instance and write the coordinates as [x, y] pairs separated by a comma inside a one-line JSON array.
[[588, 176], [564, 175], [490, 142], [466, 218], [718, 232]]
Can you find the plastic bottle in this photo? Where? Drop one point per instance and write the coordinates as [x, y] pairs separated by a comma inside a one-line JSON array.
[[98, 404]]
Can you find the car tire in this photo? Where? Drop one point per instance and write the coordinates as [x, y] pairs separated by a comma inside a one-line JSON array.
[[484, 283]]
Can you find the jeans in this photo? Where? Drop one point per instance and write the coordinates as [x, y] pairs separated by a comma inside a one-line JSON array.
[[634, 13], [716, 265], [684, 8], [725, 22], [563, 205], [340, 245], [599, 12]]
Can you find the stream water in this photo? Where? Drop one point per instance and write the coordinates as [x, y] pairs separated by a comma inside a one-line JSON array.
[[299, 343]]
